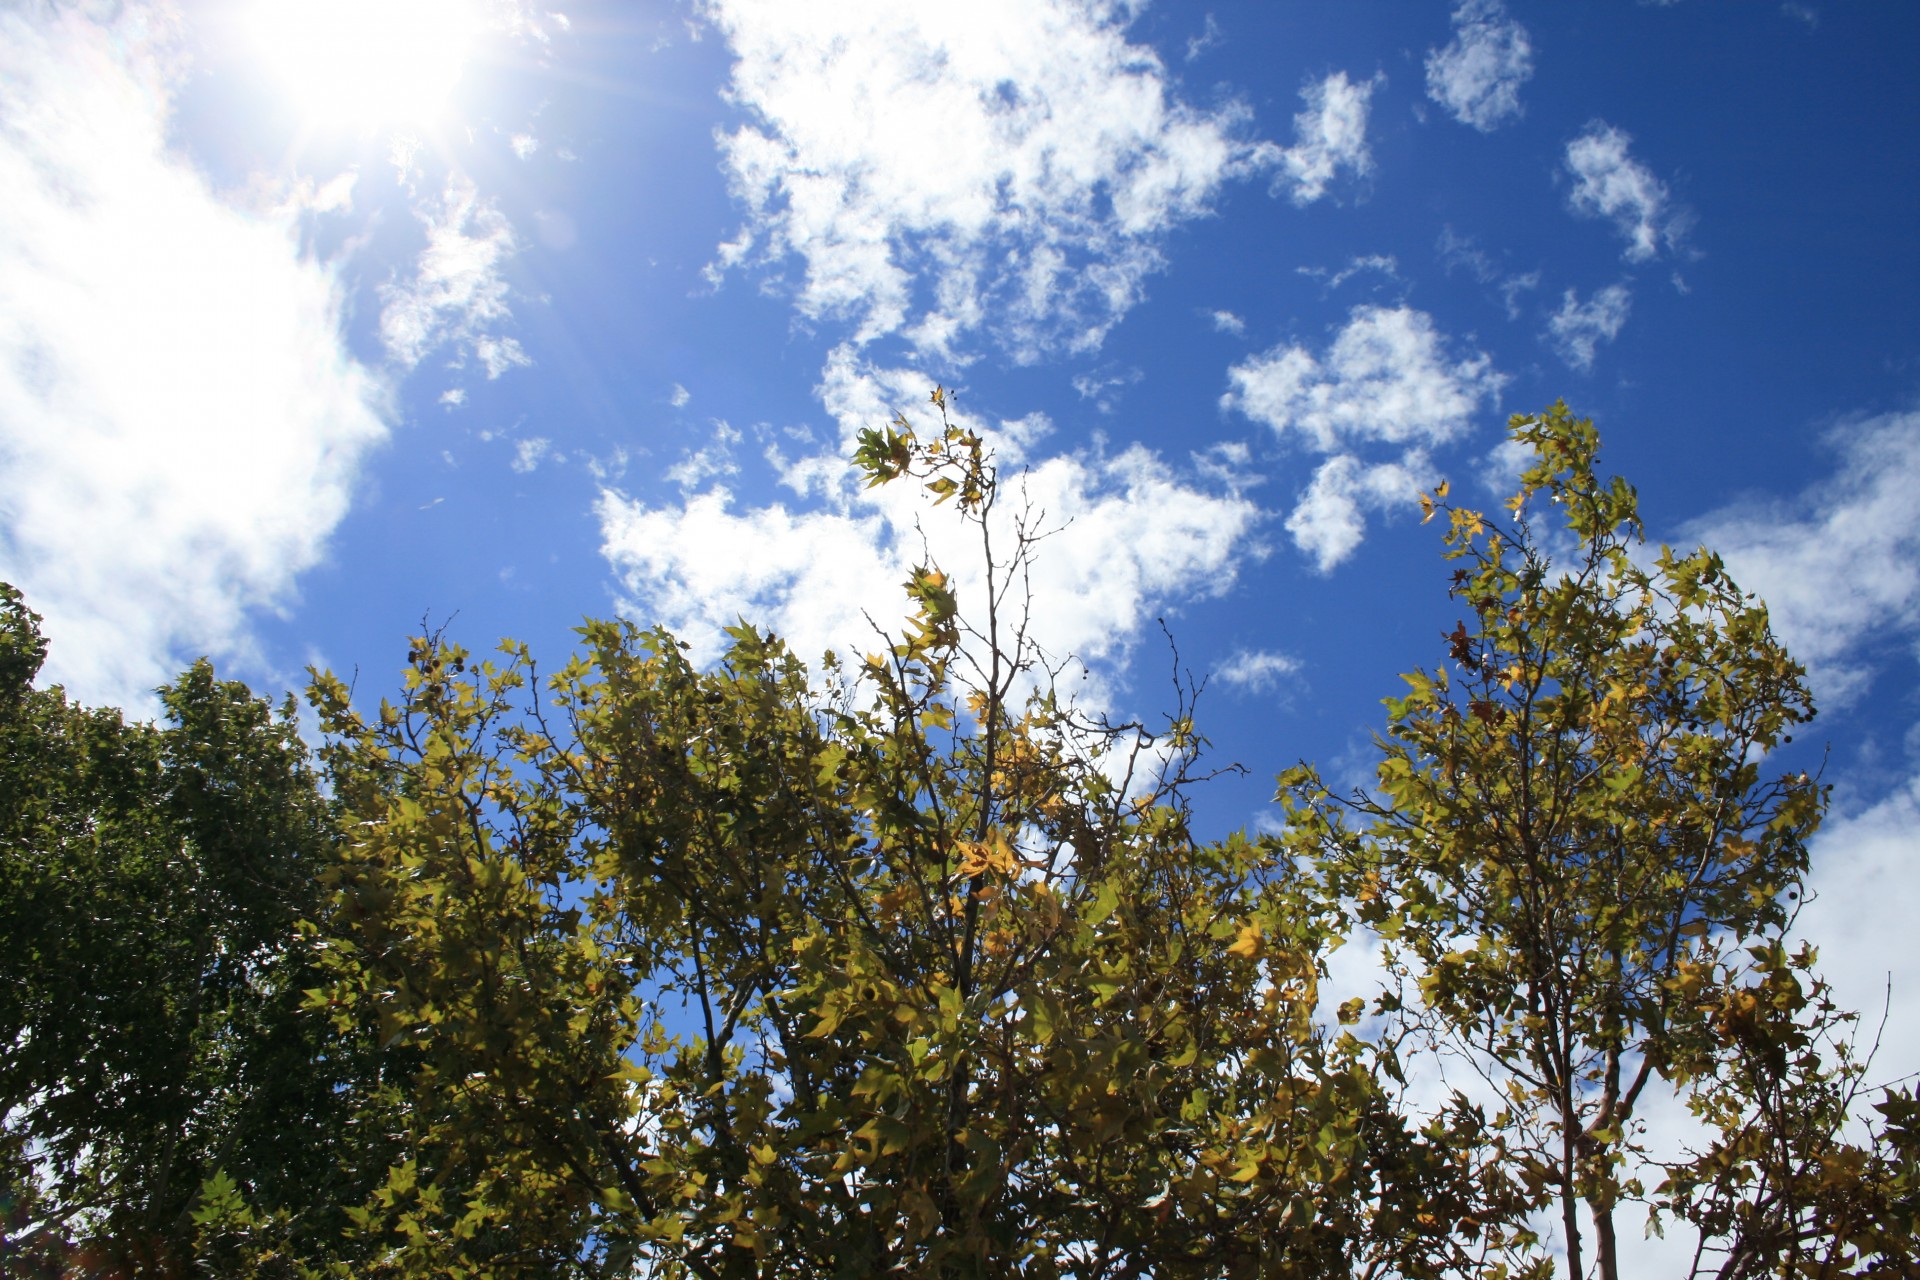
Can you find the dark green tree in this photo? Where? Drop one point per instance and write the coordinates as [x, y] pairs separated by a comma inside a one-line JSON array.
[[150, 879]]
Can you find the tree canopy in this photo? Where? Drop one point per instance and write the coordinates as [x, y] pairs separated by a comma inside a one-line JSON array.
[[907, 965]]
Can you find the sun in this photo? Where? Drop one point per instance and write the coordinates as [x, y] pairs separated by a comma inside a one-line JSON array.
[[366, 63]]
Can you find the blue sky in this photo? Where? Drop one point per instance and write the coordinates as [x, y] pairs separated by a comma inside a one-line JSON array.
[[316, 321]]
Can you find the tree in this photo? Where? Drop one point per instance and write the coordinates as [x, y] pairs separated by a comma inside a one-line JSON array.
[[150, 877], [1582, 878], [907, 966], [904, 969]]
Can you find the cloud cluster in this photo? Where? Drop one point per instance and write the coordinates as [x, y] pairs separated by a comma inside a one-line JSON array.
[[180, 425], [934, 168], [1387, 379], [1608, 183], [1578, 328], [1478, 74], [1131, 535], [1329, 136]]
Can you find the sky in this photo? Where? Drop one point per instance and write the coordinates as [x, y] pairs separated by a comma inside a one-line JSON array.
[[323, 321]]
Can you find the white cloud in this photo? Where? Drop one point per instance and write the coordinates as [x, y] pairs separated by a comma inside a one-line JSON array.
[[1500, 468], [1329, 521], [1838, 566], [1387, 377], [457, 295], [1329, 136], [180, 424], [696, 466], [1477, 76], [528, 454], [497, 355], [1227, 322], [1009, 167], [1608, 183], [1865, 883], [1132, 536], [524, 145], [1210, 35], [1105, 385], [1256, 670], [1386, 380], [680, 396], [1578, 328], [1513, 286], [1383, 263]]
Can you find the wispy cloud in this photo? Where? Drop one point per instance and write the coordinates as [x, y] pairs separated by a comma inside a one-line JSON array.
[[457, 294], [1384, 264], [1838, 565], [1387, 379], [1227, 322], [1210, 35], [1609, 183], [1007, 169], [180, 422], [1257, 670], [697, 466], [1458, 252], [528, 454], [1478, 74], [1578, 328], [1329, 136], [1106, 384]]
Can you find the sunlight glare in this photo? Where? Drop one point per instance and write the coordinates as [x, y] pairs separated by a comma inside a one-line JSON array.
[[367, 62]]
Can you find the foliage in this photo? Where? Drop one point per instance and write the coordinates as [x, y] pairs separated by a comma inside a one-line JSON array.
[[1582, 878], [909, 966], [150, 876], [911, 970]]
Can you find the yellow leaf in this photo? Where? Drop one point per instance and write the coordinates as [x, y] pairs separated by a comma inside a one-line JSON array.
[[1468, 521], [999, 852], [1248, 944], [977, 857], [1440, 491]]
